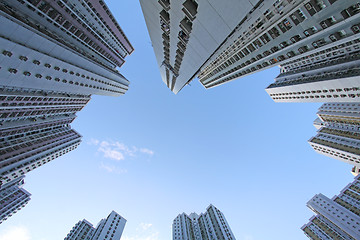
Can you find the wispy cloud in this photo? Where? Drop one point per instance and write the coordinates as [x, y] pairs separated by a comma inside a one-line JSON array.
[[16, 232], [147, 151], [145, 226], [248, 237], [145, 231], [112, 169], [110, 152], [118, 151]]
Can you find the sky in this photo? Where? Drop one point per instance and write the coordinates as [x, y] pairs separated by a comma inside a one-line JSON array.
[[151, 155]]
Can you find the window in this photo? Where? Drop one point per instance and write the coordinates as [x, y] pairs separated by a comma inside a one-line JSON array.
[[274, 33], [23, 58], [12, 70], [7, 53], [265, 38], [303, 49], [47, 65], [27, 73], [36, 62], [283, 44], [310, 31]]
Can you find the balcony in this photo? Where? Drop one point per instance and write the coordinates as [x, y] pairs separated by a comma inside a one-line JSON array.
[[184, 38], [165, 16], [186, 25], [190, 9], [336, 36], [317, 78], [165, 4], [327, 23], [165, 27], [351, 11], [179, 53], [181, 46]]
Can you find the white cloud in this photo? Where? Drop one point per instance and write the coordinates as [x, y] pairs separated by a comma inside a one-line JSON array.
[[111, 169], [145, 226], [16, 233], [145, 231], [147, 151], [117, 150], [111, 153]]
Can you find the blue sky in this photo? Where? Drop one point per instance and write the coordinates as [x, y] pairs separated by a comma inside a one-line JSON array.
[[150, 155]]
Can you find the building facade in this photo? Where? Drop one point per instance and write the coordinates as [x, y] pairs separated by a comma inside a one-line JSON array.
[[336, 218], [315, 43], [209, 225], [42, 49], [35, 129], [110, 228], [12, 198], [284, 33], [339, 133], [184, 34], [82, 230], [53, 56]]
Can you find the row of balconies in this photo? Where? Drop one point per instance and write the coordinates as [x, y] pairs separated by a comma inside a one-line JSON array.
[[165, 26], [323, 77], [28, 21], [328, 62], [296, 17], [333, 52], [190, 10]]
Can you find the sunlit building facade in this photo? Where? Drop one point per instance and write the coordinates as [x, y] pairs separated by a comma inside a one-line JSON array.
[[12, 198], [336, 218], [184, 34], [82, 230], [110, 228], [53, 56], [209, 225], [339, 133], [64, 46], [305, 38], [35, 129]]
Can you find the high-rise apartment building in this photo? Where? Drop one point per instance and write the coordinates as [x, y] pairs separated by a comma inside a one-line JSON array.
[[339, 133], [64, 46], [315, 42], [209, 225], [336, 218], [184, 34], [35, 129], [110, 228], [53, 56], [82, 230], [12, 198]]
